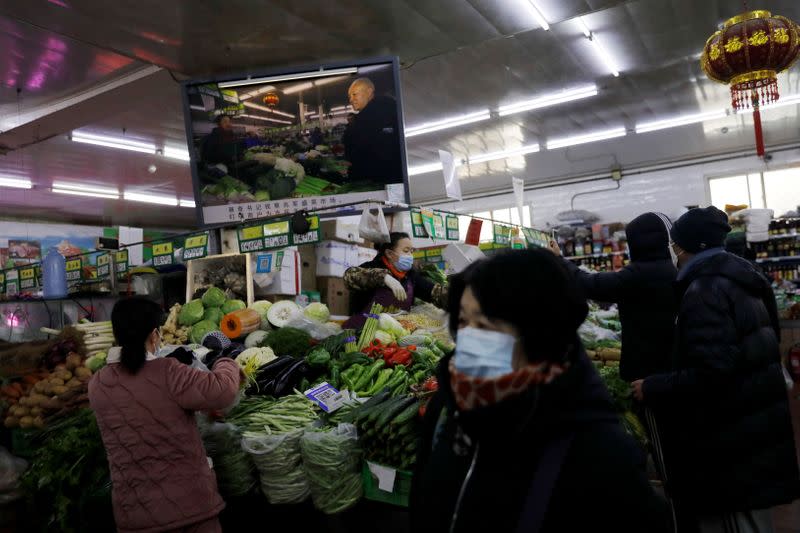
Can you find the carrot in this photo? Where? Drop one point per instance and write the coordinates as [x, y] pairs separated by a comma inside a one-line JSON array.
[[17, 386]]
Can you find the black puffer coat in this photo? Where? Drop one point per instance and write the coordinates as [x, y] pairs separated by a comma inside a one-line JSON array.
[[644, 291], [601, 470], [724, 409]]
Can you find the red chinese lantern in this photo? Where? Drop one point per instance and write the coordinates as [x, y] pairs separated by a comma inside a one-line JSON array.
[[747, 54], [271, 99]]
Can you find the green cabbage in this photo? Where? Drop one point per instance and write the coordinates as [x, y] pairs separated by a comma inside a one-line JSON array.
[[385, 338], [191, 313], [213, 297], [232, 305], [388, 324], [318, 312], [200, 329], [213, 314]]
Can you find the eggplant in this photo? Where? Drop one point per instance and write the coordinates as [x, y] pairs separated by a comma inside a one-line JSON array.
[[289, 378], [266, 377]]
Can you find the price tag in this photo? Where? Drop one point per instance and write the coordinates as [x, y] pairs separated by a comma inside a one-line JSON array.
[[416, 224], [27, 278], [434, 255], [452, 228], [12, 283], [121, 261], [326, 396], [195, 246], [439, 227], [502, 234], [312, 235], [104, 266], [163, 254], [386, 476], [276, 234], [428, 222], [536, 238], [74, 271]]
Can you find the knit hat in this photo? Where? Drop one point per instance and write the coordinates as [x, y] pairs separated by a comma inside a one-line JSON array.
[[648, 237], [700, 229]]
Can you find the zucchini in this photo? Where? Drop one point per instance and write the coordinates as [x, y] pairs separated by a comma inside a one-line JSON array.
[[406, 415], [392, 411]]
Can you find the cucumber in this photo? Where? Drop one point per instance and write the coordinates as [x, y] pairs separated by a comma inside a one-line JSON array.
[[366, 410], [384, 407], [412, 447], [406, 415], [393, 410]]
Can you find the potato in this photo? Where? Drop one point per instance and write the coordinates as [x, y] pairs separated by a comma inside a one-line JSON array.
[[82, 371], [36, 411], [40, 386], [25, 400], [74, 383], [58, 390], [64, 375], [52, 404], [38, 422], [56, 382], [60, 367], [22, 411], [73, 361], [11, 422], [26, 422]]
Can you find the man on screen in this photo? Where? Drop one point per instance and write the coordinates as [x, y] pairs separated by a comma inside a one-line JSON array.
[[372, 141]]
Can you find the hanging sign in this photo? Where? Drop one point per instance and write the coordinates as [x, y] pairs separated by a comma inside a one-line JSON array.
[[474, 232], [433, 255], [452, 228], [428, 222], [417, 228], [536, 237], [195, 246], [163, 254], [277, 234], [104, 266], [74, 271], [27, 278], [121, 261], [502, 234], [438, 226], [12, 283]]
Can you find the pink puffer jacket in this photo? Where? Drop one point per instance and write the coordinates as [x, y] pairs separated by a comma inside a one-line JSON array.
[[161, 479]]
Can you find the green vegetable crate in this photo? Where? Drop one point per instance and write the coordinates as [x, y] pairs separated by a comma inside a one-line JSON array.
[[400, 493]]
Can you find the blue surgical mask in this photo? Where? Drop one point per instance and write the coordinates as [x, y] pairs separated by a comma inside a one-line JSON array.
[[483, 353], [404, 262]]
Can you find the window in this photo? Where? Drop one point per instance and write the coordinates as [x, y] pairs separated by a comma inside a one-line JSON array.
[[778, 190]]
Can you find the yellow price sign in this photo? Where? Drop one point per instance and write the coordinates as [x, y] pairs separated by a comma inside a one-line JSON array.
[[26, 273], [416, 217], [196, 241], [103, 259], [162, 248], [313, 223], [254, 232], [276, 228], [74, 264]]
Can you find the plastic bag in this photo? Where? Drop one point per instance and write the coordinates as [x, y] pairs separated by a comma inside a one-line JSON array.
[[332, 461], [592, 334], [11, 468], [232, 465], [317, 330], [278, 461], [372, 226]]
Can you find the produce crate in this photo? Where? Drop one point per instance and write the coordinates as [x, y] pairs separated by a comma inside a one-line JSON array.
[[399, 494], [196, 267]]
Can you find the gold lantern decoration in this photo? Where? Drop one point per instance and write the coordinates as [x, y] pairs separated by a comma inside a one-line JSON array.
[[271, 99]]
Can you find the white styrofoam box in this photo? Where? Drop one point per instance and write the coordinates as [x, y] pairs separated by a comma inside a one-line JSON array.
[[286, 280], [334, 257], [459, 256], [365, 255], [343, 229], [758, 236]]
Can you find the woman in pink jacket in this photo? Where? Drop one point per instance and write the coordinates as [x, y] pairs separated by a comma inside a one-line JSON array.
[[161, 478]]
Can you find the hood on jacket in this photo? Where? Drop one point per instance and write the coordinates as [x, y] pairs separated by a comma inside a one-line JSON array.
[[648, 238]]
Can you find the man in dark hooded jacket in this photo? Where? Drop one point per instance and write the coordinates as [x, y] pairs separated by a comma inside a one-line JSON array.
[[730, 451], [645, 294]]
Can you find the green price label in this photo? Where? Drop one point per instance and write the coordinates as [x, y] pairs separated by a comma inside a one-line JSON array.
[[121, 261], [195, 246], [275, 235], [163, 254], [433, 255], [74, 271], [452, 228], [12, 283], [104, 266], [502, 234], [536, 237], [418, 229], [27, 278]]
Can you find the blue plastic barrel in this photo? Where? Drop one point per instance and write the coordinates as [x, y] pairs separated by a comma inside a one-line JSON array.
[[54, 271]]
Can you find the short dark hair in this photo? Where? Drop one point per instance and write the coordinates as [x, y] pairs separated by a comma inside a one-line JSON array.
[[531, 290], [394, 238], [133, 320]]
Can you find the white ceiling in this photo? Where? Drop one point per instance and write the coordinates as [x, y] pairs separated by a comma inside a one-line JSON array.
[[458, 56]]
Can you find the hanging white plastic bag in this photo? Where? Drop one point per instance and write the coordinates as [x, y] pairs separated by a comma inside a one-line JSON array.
[[373, 225], [279, 464]]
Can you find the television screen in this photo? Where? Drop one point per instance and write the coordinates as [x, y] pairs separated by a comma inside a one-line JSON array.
[[298, 139]]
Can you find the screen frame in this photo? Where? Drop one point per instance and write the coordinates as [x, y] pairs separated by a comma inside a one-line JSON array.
[[282, 71]]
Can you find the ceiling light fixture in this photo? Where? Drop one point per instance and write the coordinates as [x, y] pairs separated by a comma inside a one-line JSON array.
[[112, 142], [782, 101], [268, 119], [446, 123], [78, 189], [177, 153], [85, 193], [187, 203], [267, 109], [537, 14], [424, 169], [287, 77], [548, 100], [588, 138], [150, 198], [308, 85], [680, 121], [15, 182], [492, 156], [601, 52]]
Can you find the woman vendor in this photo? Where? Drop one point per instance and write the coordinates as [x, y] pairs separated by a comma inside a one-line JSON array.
[[389, 280]]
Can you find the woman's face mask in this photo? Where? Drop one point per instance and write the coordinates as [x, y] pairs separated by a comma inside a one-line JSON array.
[[484, 353]]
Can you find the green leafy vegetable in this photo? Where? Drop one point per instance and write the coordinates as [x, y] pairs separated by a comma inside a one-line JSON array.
[[288, 341], [191, 313]]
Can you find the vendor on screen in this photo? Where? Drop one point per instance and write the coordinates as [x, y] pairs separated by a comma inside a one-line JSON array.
[[372, 142], [221, 145]]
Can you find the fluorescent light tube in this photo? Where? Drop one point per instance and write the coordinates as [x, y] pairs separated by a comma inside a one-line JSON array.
[[446, 123], [268, 119], [783, 101], [492, 156], [177, 153], [424, 169], [588, 138], [548, 100], [584, 28], [86, 188], [86, 193], [15, 183], [537, 14], [113, 142], [150, 198], [187, 203], [267, 109], [679, 121], [603, 55], [308, 85], [287, 77]]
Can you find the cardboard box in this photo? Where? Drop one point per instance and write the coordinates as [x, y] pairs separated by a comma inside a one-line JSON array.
[[334, 293], [340, 230], [283, 276], [334, 257], [308, 267]]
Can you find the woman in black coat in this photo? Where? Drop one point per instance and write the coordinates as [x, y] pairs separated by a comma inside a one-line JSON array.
[[645, 293], [521, 435]]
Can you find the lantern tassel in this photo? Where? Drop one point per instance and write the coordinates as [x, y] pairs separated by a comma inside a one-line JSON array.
[[759, 132]]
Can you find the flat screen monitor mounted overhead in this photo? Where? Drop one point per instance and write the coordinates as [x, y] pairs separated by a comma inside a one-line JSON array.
[[306, 138]]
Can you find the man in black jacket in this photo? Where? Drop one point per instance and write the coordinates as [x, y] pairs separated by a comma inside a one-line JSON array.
[[730, 451]]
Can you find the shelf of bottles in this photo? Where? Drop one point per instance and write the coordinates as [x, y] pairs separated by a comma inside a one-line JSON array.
[[597, 251], [783, 246]]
